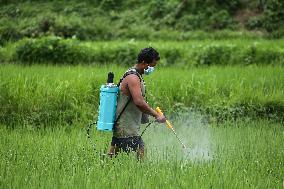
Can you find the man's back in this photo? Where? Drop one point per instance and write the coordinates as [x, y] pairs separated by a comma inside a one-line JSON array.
[[128, 114]]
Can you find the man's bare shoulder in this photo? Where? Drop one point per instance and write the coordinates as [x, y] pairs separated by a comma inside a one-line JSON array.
[[132, 79], [131, 84]]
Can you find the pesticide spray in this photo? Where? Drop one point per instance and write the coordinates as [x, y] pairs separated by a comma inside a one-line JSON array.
[[194, 132]]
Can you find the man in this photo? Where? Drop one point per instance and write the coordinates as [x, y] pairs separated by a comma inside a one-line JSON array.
[[132, 106]]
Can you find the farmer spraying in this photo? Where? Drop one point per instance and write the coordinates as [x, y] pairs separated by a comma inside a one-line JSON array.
[[123, 107], [132, 108]]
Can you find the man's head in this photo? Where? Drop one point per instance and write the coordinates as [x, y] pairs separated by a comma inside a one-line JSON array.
[[147, 57]]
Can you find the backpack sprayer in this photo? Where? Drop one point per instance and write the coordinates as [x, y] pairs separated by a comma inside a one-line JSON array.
[[107, 109], [108, 101]]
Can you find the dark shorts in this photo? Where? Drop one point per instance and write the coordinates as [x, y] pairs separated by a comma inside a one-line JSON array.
[[128, 144]]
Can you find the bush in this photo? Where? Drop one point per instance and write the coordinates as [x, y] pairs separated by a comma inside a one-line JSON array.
[[249, 55], [171, 56], [191, 22], [124, 54], [274, 15], [2, 60], [8, 31], [254, 23], [158, 9], [52, 49], [127, 55], [277, 34], [269, 56], [254, 55], [57, 50], [110, 19], [221, 20], [214, 55], [230, 5]]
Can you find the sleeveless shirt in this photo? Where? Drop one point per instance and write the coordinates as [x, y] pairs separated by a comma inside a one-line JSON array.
[[129, 122]]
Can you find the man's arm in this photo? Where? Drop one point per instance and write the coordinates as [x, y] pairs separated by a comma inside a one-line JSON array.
[[134, 87]]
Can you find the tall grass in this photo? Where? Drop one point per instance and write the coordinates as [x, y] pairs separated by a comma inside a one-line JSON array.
[[243, 155], [48, 95]]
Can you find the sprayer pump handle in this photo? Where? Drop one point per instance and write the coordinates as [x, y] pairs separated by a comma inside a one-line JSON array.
[[159, 111], [110, 77]]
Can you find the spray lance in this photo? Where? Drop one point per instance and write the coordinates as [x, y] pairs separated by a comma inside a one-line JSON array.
[[169, 125]]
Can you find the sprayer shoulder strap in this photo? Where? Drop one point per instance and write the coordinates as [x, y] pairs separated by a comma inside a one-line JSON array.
[[128, 72], [135, 72]]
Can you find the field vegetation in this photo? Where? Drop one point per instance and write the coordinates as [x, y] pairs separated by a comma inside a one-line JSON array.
[[220, 82], [232, 155], [54, 50], [154, 19], [46, 95]]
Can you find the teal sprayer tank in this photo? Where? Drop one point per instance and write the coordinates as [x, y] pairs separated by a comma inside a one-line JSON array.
[[107, 108]]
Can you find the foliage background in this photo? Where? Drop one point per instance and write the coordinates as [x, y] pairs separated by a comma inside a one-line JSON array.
[[151, 19]]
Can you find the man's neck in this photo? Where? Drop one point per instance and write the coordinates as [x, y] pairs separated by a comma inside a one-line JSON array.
[[139, 69]]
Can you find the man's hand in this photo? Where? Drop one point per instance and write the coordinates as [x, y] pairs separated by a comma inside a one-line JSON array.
[[160, 118]]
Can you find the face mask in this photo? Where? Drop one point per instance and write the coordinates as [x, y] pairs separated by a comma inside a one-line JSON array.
[[149, 70]]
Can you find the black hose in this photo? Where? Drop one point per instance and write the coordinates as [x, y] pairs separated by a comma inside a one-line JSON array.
[[146, 128]]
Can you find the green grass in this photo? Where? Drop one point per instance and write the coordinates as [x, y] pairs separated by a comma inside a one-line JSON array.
[[230, 118], [237, 155], [50, 95]]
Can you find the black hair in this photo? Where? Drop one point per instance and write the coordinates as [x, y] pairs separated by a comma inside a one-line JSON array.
[[148, 55]]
